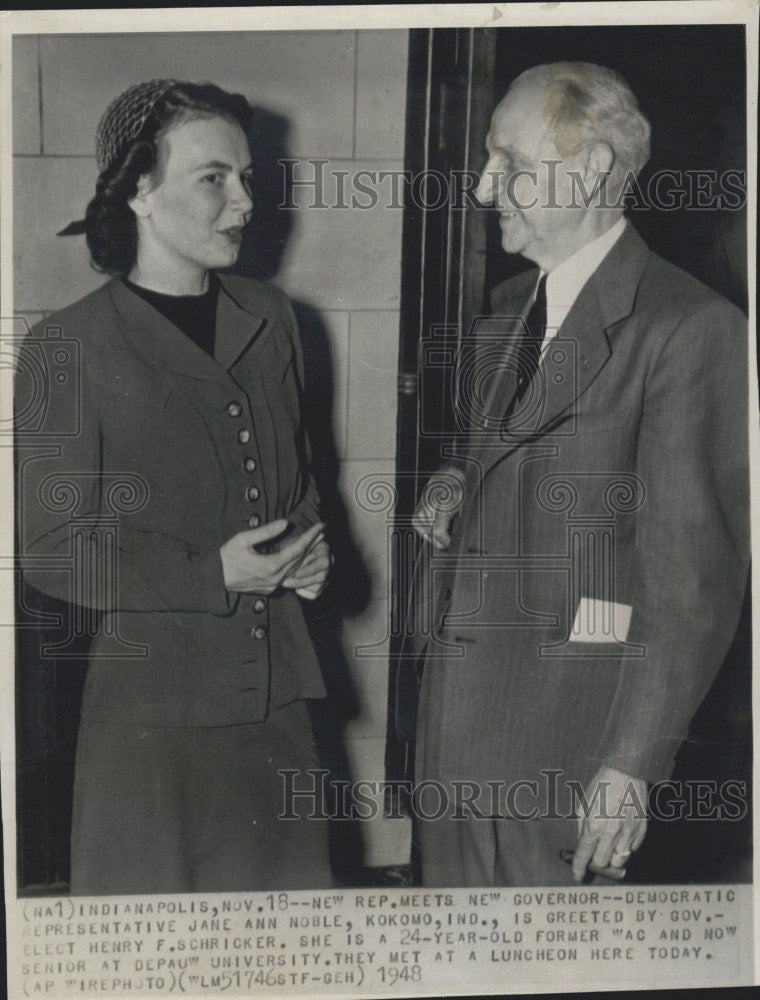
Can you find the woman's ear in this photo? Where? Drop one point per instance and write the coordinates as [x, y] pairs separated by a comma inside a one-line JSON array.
[[140, 203]]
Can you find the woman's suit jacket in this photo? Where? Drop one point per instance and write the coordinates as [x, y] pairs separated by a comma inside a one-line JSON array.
[[171, 453]]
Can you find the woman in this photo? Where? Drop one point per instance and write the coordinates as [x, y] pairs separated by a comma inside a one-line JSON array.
[[189, 474]]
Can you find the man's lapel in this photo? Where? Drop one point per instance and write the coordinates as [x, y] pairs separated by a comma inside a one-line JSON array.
[[585, 348], [606, 299], [498, 339]]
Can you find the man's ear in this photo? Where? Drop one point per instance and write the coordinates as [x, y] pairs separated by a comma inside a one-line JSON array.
[[139, 202], [599, 159]]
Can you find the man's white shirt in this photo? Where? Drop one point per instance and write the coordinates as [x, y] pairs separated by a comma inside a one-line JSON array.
[[565, 282]]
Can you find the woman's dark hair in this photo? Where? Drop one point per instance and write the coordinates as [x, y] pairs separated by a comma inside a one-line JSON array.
[[110, 223]]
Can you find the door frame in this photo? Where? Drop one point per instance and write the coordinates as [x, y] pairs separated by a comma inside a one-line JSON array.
[[449, 103]]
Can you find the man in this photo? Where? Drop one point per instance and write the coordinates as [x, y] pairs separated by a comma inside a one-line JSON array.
[[589, 563]]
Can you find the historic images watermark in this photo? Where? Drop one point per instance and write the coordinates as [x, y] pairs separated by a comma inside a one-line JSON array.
[[550, 796], [311, 183]]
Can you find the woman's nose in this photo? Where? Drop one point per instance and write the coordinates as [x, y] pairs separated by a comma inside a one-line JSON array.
[[241, 198]]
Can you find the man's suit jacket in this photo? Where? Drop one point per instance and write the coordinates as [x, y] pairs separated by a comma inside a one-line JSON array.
[[199, 446], [621, 480]]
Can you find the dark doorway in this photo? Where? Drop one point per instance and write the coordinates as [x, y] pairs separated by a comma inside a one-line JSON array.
[[690, 83]]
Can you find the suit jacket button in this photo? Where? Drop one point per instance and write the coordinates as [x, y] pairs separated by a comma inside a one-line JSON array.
[[244, 435], [259, 605], [249, 464], [234, 409], [252, 493], [259, 632], [254, 521]]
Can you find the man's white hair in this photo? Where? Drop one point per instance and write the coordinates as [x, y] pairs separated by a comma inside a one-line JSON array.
[[586, 102]]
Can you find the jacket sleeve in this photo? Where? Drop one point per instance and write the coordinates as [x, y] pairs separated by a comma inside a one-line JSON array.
[[689, 572], [74, 537]]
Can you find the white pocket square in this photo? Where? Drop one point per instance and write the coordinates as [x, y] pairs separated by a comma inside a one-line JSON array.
[[600, 621]]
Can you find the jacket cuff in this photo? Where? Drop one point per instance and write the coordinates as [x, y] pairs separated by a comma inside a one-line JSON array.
[[652, 762], [209, 566]]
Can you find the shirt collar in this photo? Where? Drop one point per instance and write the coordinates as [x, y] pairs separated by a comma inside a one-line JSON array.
[[564, 283]]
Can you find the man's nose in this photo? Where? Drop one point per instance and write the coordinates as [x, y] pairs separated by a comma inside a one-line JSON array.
[[486, 189], [491, 183]]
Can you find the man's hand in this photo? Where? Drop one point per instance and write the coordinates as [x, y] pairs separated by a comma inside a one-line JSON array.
[[310, 576], [616, 824], [441, 500], [247, 571]]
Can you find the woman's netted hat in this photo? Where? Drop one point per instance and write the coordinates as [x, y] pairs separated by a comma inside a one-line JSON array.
[[124, 118], [120, 125]]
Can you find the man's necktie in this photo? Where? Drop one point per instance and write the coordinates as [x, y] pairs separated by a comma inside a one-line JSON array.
[[528, 353]]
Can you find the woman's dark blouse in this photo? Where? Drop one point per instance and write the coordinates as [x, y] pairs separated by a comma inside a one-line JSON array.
[[195, 315]]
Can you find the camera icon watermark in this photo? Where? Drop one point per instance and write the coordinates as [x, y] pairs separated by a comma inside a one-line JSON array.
[[494, 396], [47, 380]]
